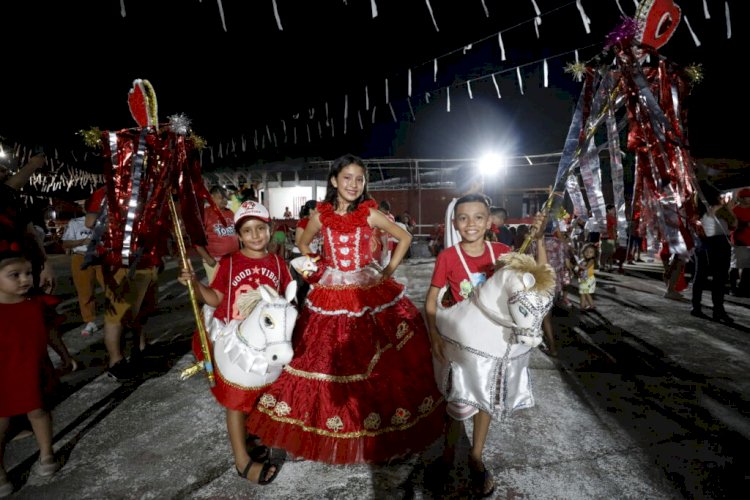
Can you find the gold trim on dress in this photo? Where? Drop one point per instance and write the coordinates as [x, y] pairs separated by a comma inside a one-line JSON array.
[[346, 435], [238, 386], [341, 378]]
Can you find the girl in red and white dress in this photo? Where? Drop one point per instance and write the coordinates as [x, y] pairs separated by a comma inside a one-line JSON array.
[[26, 373], [241, 271], [360, 387]]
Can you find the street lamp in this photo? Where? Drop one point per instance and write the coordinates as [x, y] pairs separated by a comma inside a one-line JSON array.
[[493, 165]]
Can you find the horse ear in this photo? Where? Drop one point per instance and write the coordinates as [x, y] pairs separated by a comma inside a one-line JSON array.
[[291, 291], [265, 294], [528, 280]]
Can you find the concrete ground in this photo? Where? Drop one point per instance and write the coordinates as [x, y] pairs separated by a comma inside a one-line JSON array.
[[643, 401]]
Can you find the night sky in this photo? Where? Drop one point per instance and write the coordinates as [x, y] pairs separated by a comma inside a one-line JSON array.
[[69, 66]]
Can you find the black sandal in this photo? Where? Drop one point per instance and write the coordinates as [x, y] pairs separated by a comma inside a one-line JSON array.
[[479, 478], [258, 452], [263, 472], [437, 475]]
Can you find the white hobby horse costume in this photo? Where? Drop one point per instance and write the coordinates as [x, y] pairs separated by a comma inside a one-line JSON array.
[[489, 336]]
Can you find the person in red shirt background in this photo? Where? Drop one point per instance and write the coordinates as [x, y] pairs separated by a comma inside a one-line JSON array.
[[220, 235], [741, 239]]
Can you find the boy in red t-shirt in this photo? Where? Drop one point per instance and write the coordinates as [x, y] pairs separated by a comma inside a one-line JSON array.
[[471, 220], [250, 267]]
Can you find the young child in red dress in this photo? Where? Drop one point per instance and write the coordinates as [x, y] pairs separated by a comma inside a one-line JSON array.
[[26, 372], [360, 388], [250, 267]]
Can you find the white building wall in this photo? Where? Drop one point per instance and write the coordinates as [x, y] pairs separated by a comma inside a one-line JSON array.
[[280, 197]]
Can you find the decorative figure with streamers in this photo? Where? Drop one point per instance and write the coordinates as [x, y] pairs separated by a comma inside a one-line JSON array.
[[652, 91], [145, 168]]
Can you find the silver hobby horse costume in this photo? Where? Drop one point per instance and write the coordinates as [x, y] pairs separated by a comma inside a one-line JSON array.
[[488, 339]]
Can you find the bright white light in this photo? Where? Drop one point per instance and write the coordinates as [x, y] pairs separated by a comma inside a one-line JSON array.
[[3, 154], [491, 163]]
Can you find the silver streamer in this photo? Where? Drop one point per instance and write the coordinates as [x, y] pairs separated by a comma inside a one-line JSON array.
[[652, 234], [618, 188], [135, 190], [574, 191], [592, 181]]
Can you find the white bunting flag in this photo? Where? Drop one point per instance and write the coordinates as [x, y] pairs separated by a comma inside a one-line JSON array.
[[497, 87], [275, 13], [429, 7], [692, 33]]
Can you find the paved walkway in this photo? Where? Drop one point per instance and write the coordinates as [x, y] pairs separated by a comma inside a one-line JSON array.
[[643, 401]]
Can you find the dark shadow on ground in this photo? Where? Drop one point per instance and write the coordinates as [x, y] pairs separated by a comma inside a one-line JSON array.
[[656, 401]]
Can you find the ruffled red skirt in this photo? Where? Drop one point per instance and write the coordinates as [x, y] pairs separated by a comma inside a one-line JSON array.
[[360, 387], [228, 394]]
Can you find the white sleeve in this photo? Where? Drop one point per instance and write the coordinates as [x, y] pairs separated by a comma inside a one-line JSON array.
[[451, 235]]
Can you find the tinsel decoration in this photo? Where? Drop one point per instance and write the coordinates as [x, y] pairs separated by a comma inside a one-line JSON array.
[[577, 69], [694, 72], [179, 124], [91, 137], [199, 143], [560, 214], [623, 35]]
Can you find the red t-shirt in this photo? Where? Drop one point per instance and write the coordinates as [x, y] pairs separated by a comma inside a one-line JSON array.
[[247, 274], [221, 238], [742, 233], [611, 227], [448, 269]]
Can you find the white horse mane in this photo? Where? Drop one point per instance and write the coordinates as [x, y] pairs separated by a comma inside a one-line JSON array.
[[247, 301], [544, 275]]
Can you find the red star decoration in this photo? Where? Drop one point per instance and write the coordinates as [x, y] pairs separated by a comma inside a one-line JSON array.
[[256, 270]]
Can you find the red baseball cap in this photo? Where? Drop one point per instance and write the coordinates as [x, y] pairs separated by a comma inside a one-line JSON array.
[[744, 193]]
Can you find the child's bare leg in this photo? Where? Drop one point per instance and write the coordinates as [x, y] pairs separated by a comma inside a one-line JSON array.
[[237, 436], [4, 426], [55, 341], [479, 437], [41, 424], [237, 439], [549, 335], [452, 435], [480, 474]]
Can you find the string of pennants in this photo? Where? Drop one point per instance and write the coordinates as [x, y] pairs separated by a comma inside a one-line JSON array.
[[312, 124], [58, 174]]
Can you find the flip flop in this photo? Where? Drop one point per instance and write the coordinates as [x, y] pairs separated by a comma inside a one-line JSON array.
[[479, 479], [263, 472]]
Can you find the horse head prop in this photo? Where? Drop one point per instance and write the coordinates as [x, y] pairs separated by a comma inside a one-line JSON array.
[[507, 309], [487, 338], [251, 352]]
